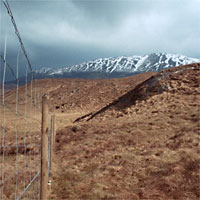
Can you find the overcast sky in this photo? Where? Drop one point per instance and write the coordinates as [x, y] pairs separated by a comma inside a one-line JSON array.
[[67, 32]]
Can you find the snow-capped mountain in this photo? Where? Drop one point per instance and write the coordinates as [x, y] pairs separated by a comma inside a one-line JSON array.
[[116, 67]]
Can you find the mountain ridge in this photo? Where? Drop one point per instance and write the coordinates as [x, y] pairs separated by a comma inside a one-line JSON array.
[[112, 67], [128, 65]]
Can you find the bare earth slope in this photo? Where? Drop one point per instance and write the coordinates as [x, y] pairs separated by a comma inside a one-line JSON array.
[[145, 145]]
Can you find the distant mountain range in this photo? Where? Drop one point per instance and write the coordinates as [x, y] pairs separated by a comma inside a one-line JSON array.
[[116, 67], [121, 66]]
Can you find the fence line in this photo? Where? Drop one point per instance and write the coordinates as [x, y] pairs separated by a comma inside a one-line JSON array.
[[17, 93], [3, 114], [20, 125]]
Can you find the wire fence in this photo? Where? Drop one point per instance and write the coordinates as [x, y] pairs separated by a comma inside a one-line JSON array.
[[20, 117]]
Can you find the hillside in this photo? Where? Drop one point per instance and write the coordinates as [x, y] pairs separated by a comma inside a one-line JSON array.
[[134, 138], [88, 95], [171, 82], [145, 145], [7, 87], [66, 95], [68, 99]]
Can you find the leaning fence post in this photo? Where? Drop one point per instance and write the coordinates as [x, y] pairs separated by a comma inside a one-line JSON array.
[[44, 149]]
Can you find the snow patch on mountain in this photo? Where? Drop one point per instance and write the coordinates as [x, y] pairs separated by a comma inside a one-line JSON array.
[[131, 64]]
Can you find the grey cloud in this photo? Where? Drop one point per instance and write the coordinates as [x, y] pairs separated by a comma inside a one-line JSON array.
[[63, 33]]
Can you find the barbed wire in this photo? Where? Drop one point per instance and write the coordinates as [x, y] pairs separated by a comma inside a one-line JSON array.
[[5, 2]]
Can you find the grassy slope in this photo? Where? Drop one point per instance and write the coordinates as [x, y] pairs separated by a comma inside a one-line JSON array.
[[147, 151]]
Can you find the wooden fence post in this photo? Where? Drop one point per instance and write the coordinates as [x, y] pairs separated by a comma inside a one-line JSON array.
[[44, 150]]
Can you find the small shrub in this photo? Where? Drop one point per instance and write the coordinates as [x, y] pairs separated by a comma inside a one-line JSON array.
[[76, 128]]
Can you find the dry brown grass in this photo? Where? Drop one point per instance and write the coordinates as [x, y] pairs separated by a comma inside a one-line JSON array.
[[147, 151], [140, 147], [125, 159]]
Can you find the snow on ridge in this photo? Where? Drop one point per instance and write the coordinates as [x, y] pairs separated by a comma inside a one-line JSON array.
[[130, 64]]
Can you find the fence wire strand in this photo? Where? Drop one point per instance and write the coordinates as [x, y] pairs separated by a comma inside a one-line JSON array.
[[16, 130], [9, 67], [20, 125], [3, 131], [25, 113], [17, 32], [27, 187]]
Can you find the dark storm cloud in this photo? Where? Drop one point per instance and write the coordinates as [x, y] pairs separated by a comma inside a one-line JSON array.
[[62, 33]]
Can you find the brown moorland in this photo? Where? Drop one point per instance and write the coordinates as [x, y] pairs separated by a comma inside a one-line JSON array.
[[139, 141], [143, 145], [68, 98]]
